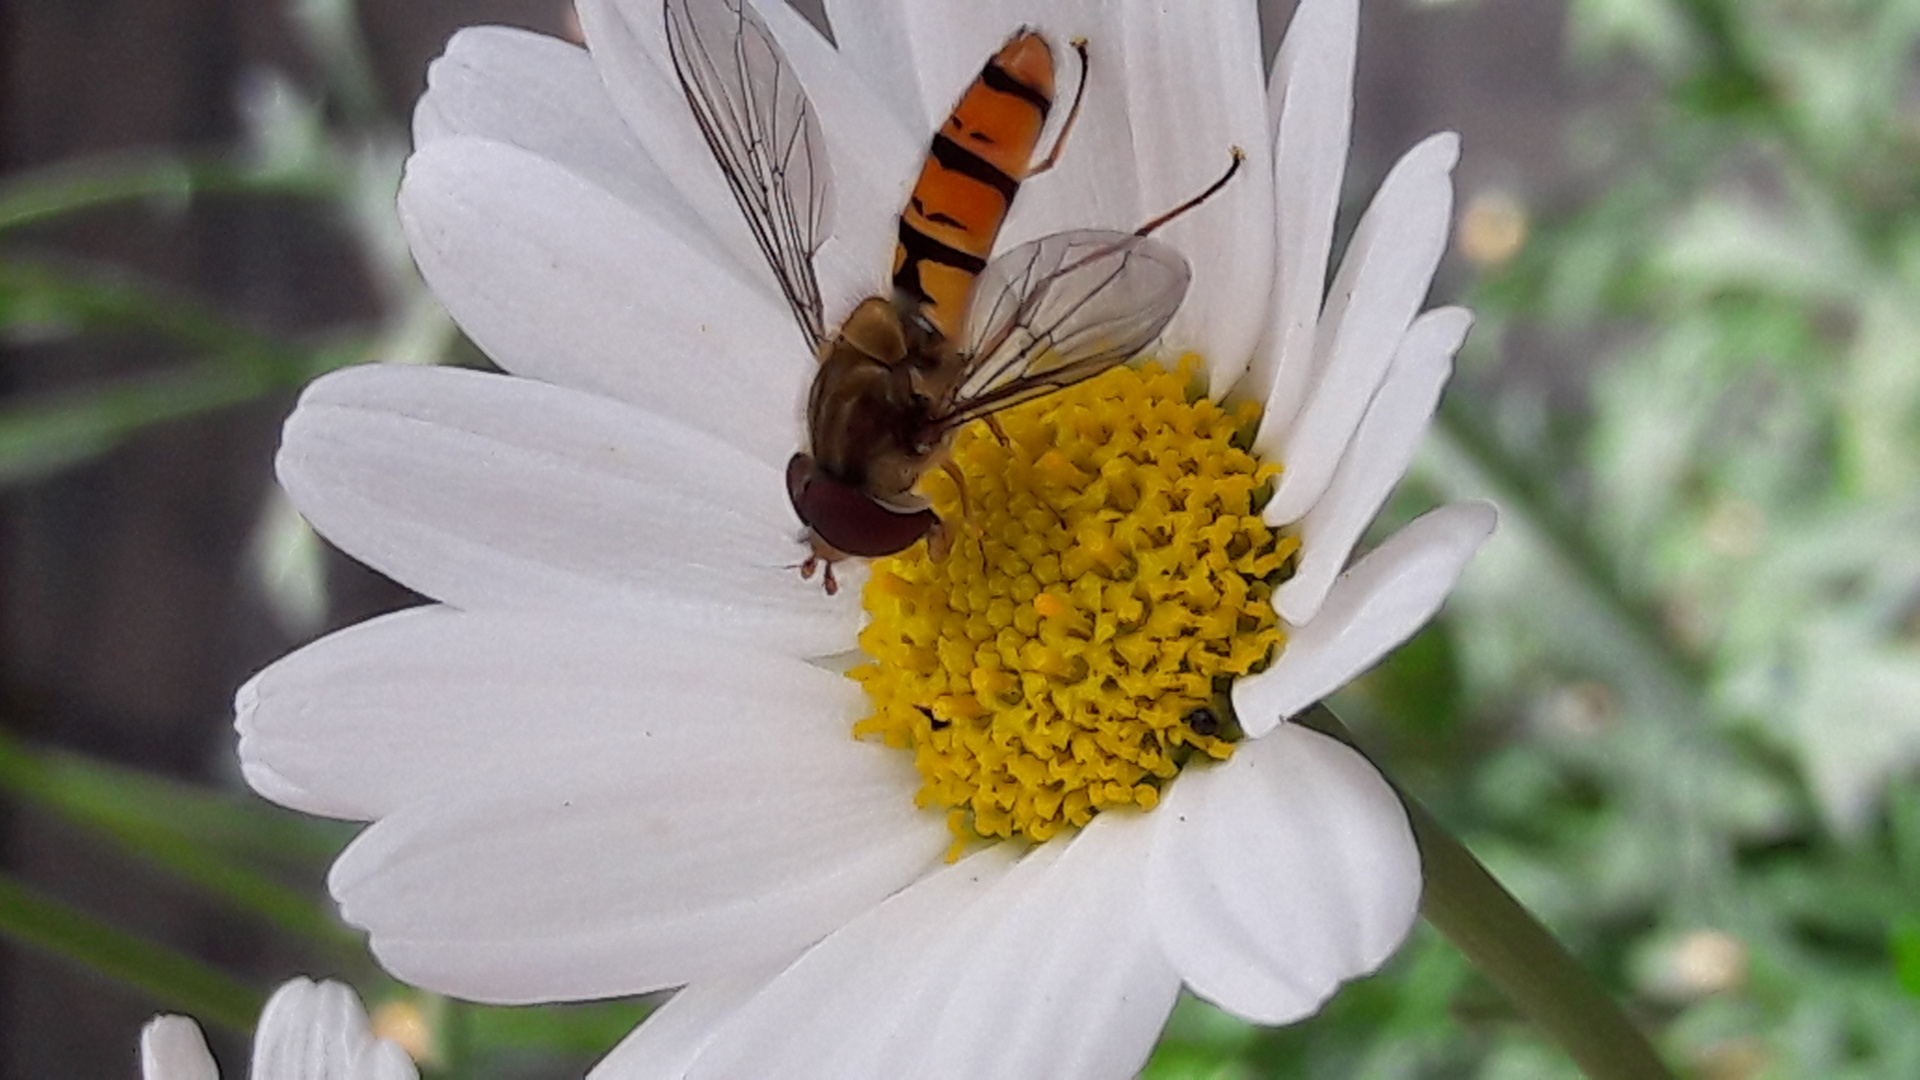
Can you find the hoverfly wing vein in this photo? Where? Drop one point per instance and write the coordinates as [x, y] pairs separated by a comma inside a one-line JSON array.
[[761, 128], [1018, 334], [1062, 309]]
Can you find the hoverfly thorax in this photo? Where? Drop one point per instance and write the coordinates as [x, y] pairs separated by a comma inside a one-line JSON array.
[[870, 410], [961, 335], [867, 417]]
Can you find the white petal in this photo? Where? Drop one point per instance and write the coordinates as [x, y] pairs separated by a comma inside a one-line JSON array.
[[1045, 968], [628, 44], [1381, 282], [366, 720], [873, 41], [1068, 978], [1375, 606], [1280, 873], [172, 1048], [875, 160], [872, 156], [540, 94], [1193, 81], [559, 280], [1383, 447], [665, 1046], [837, 1009], [922, 55], [492, 492], [318, 1031], [638, 862], [1312, 102]]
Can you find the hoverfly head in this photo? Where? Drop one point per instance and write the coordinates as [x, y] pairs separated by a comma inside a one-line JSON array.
[[845, 520]]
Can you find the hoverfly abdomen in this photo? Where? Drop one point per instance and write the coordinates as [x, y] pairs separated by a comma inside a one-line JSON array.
[[972, 171]]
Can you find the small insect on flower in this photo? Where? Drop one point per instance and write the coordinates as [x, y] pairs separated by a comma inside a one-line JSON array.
[[905, 371]]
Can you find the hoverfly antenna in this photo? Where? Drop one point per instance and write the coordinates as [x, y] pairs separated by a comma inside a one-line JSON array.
[[1239, 156]]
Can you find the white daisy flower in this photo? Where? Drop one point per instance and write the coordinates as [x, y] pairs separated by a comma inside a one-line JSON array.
[[617, 755], [308, 1031]]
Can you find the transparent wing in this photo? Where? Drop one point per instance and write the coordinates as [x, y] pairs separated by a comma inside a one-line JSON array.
[[762, 131], [1061, 309]]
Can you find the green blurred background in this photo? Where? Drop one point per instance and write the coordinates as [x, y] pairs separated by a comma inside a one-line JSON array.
[[1675, 705]]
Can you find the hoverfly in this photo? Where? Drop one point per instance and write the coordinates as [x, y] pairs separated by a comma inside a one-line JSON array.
[[959, 338]]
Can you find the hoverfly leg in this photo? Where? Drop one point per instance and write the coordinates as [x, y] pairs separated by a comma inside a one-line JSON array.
[[999, 433], [940, 539], [966, 508], [1239, 156], [814, 561], [1073, 113]]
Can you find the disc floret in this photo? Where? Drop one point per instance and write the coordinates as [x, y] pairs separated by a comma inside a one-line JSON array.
[[1110, 577]]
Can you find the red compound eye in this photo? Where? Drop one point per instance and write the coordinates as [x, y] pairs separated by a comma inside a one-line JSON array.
[[848, 519]]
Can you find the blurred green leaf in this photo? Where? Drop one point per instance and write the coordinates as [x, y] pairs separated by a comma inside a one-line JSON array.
[[1903, 940], [1200, 1043], [57, 430], [1709, 524], [83, 297], [166, 180], [176, 982], [218, 843]]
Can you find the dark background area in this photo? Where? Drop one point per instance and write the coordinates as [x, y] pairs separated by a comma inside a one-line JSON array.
[[129, 615]]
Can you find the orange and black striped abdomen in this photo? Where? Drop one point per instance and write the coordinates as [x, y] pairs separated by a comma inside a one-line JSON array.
[[974, 167]]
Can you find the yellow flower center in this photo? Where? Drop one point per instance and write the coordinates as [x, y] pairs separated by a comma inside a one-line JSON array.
[[1109, 577]]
